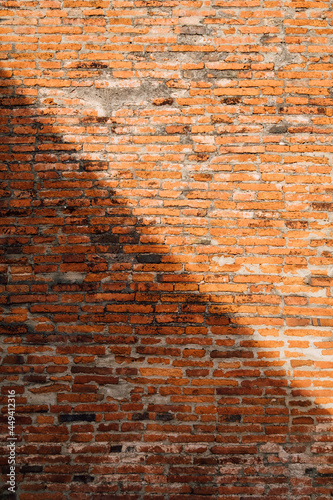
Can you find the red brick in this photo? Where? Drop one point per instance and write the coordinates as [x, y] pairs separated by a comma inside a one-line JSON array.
[[165, 250]]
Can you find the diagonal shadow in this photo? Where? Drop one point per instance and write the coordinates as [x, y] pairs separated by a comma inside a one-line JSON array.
[[132, 380]]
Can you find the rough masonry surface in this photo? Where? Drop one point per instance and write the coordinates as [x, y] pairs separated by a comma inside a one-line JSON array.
[[166, 248]]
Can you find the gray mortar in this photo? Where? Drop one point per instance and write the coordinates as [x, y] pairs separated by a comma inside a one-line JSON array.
[[122, 390], [284, 58], [116, 97]]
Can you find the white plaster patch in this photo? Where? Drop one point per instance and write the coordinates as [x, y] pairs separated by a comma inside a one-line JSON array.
[[224, 82], [73, 276], [250, 269], [314, 353], [122, 390], [124, 83], [223, 261], [100, 110]]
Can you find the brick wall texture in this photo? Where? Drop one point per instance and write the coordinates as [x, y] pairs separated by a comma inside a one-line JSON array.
[[166, 248]]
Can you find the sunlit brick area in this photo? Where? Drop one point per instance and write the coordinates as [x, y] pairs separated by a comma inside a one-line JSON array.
[[166, 249]]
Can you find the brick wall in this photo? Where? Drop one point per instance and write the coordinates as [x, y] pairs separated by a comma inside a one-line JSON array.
[[166, 248]]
